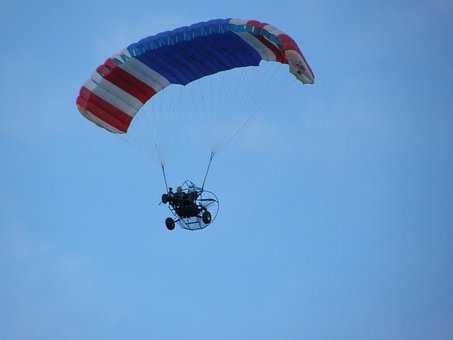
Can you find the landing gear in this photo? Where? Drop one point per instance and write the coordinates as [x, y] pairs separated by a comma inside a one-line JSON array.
[[170, 223], [206, 217]]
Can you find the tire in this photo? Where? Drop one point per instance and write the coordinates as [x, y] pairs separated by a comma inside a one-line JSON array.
[[170, 223], [164, 198], [206, 217]]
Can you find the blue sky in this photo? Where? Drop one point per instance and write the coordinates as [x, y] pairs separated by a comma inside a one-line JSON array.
[[336, 218]]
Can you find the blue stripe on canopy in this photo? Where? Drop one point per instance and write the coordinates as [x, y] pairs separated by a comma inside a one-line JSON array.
[[190, 53]]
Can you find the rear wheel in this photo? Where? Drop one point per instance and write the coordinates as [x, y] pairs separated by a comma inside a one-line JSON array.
[[206, 217], [170, 223], [164, 198]]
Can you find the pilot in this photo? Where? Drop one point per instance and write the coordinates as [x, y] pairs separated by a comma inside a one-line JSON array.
[[179, 195], [184, 203]]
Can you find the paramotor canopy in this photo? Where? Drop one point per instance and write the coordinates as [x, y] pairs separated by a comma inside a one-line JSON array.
[[125, 82]]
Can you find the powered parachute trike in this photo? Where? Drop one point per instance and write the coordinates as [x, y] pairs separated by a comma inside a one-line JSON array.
[[120, 87]]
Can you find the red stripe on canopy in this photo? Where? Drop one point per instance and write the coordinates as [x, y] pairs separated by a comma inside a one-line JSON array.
[[125, 81], [288, 43], [279, 56], [256, 23], [103, 110]]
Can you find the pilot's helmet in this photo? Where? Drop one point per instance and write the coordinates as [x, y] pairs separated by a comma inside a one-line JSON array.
[[178, 189]]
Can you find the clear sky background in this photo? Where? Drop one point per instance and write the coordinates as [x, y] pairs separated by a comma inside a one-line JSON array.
[[336, 221]]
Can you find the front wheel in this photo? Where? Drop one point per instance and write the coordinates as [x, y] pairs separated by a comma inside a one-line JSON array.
[[170, 223], [164, 198], [206, 217]]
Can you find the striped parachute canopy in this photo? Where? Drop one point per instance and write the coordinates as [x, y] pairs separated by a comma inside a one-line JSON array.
[[125, 82]]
